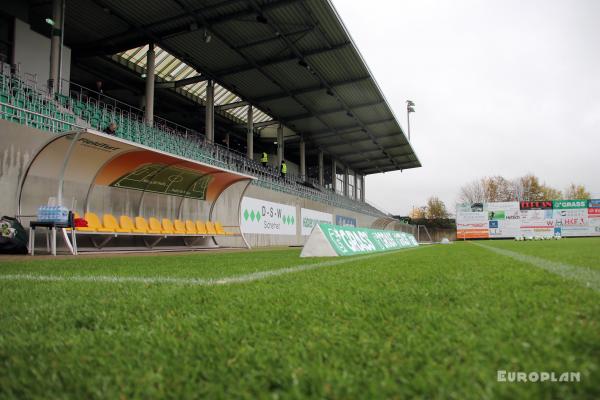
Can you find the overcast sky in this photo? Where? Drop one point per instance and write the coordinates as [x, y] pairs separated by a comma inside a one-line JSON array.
[[501, 87]]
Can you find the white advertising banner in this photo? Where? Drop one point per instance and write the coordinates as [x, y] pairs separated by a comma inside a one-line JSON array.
[[572, 222], [261, 216], [577, 217], [594, 221], [504, 219], [472, 225], [310, 218], [537, 222]]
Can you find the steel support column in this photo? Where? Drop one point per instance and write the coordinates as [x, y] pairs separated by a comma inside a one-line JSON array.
[[56, 45], [280, 145], [321, 172], [333, 175], [149, 94], [355, 191], [346, 180], [303, 159], [210, 111], [362, 187], [250, 134]]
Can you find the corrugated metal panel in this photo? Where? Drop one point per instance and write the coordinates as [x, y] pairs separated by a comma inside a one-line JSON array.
[[252, 84], [144, 12], [170, 68], [312, 25], [291, 75]]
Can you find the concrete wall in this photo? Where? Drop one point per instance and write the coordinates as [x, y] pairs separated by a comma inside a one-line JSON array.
[[18, 145], [32, 52], [226, 210]]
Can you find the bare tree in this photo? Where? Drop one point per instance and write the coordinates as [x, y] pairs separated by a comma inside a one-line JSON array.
[[472, 192], [528, 188], [418, 213], [436, 209], [574, 192], [550, 193], [498, 188]]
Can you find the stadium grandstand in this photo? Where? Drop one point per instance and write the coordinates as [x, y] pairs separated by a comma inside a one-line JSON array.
[[207, 98]]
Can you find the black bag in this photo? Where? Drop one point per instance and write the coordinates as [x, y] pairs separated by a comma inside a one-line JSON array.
[[13, 238]]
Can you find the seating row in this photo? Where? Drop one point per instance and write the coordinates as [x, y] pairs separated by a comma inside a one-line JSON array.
[[152, 226]]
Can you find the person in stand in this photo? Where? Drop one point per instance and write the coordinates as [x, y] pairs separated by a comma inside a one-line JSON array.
[[264, 160], [111, 129], [283, 169]]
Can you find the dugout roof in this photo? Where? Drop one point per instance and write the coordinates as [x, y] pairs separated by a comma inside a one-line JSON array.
[[292, 59]]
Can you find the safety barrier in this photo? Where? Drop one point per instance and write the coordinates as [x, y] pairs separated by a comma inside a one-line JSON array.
[[25, 103]]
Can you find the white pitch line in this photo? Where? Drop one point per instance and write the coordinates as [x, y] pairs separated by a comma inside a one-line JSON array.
[[585, 276], [255, 276]]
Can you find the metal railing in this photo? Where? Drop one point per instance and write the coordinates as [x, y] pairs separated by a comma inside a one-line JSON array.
[[27, 118], [164, 135]]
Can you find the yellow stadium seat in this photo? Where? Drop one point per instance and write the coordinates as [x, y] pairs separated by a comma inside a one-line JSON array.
[[200, 228], [220, 230], [167, 226], [190, 227], [179, 227], [94, 224], [127, 223], [210, 228], [110, 222], [142, 224], [82, 228], [155, 225]]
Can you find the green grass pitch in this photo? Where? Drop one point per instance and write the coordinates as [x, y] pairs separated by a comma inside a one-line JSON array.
[[433, 322]]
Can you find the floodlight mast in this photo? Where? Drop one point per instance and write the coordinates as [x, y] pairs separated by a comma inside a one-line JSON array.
[[409, 109]]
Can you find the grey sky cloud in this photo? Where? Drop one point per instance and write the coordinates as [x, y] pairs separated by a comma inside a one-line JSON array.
[[501, 88]]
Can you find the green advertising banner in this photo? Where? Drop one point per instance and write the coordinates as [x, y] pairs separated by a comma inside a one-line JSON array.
[[333, 240], [558, 204]]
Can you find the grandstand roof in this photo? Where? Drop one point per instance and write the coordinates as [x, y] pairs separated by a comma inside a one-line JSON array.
[[292, 59]]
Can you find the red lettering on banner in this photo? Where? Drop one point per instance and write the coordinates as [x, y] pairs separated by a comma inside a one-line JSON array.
[[530, 205]]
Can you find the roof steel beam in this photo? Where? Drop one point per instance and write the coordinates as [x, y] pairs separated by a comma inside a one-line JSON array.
[[332, 111], [254, 63], [324, 133], [403, 164], [272, 38], [132, 38], [360, 162], [308, 89], [229, 106], [355, 152], [292, 46], [277, 60], [265, 123], [181, 82], [325, 145]]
